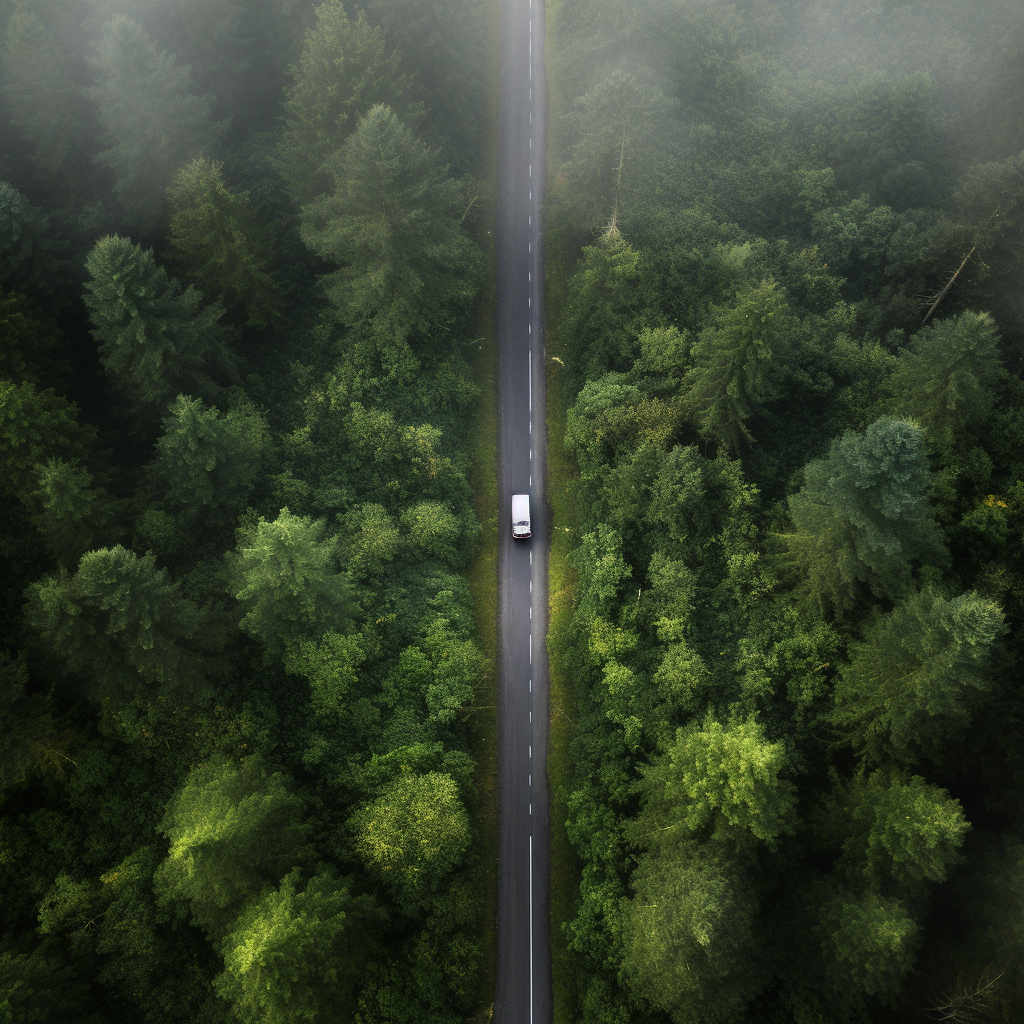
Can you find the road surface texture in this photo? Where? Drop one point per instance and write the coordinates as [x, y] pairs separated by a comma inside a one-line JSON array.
[[524, 954]]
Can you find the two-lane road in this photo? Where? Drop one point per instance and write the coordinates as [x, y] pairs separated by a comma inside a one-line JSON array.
[[524, 958]]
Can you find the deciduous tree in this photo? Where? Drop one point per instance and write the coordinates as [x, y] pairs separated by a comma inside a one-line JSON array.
[[297, 953], [234, 829]]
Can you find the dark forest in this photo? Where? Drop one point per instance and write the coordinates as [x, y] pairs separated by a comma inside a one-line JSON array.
[[785, 247], [241, 253]]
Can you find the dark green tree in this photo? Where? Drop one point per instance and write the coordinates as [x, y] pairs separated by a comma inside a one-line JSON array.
[[121, 623], [914, 680], [68, 511], [689, 935], [219, 243], [36, 426], [869, 944], [151, 122], [29, 256], [730, 376], [285, 574], [897, 831], [862, 515], [394, 224], [945, 378], [26, 338], [342, 73], [154, 338], [208, 459], [234, 829]]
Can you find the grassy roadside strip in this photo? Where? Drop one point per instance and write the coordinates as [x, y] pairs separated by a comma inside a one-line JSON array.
[[483, 570], [565, 865]]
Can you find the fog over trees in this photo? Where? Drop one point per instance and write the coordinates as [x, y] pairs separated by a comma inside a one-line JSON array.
[[243, 247], [785, 277], [239, 664]]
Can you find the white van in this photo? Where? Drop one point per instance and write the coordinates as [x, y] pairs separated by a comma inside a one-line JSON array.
[[520, 516]]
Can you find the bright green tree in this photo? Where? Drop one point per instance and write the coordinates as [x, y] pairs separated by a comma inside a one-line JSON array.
[[394, 224], [414, 834], [217, 241], [208, 459], [343, 71], [723, 783], [298, 954], [945, 378], [120, 622], [234, 829], [862, 515], [915, 678], [285, 574], [730, 376], [154, 338], [151, 122]]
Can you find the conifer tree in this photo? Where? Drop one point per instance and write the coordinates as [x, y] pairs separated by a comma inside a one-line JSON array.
[[151, 121], [154, 338]]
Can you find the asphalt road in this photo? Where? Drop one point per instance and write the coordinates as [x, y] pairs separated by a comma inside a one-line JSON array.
[[524, 953]]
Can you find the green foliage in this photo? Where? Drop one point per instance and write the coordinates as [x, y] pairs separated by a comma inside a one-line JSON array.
[[36, 427], [721, 783], [285, 574], [869, 944], [151, 122], [689, 936], [36, 741], [234, 829], [945, 378], [598, 324], [414, 835], [912, 683], [219, 244], [394, 223], [25, 337], [298, 955], [121, 623], [154, 338], [208, 459], [862, 515], [342, 73], [730, 374], [29, 258], [898, 832], [69, 512], [37, 987], [330, 663]]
